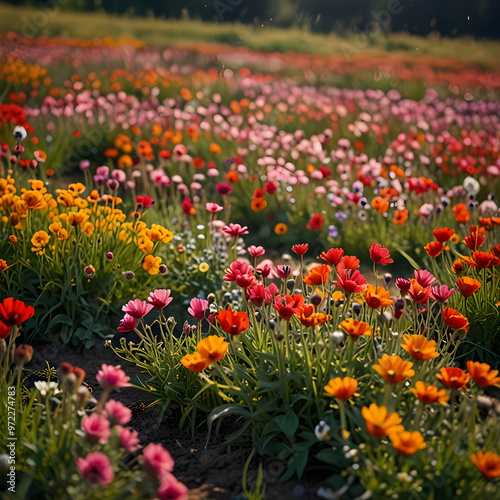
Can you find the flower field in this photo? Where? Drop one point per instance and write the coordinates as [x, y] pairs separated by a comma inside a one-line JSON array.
[[303, 263]]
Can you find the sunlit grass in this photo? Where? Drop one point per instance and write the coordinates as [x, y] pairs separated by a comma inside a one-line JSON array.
[[37, 22]]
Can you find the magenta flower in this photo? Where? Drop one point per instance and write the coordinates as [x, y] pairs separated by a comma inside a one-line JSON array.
[[117, 413], [403, 285], [127, 324], [235, 230], [237, 268], [283, 271], [256, 251], [157, 460], [96, 427], [214, 208], [96, 468], [137, 308], [441, 293], [129, 439], [160, 298], [198, 308], [112, 377], [224, 188], [424, 277], [171, 489]]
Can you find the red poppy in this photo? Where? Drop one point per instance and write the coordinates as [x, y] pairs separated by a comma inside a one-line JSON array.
[[318, 275], [434, 248], [495, 250], [4, 331], [14, 312], [145, 201], [316, 222], [380, 254], [301, 248], [233, 322], [333, 256], [443, 234], [258, 193], [454, 319], [270, 187], [350, 262], [474, 241], [187, 207], [287, 306], [349, 280], [485, 259]]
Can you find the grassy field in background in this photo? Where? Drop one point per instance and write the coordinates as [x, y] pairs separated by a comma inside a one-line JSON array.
[[162, 32]]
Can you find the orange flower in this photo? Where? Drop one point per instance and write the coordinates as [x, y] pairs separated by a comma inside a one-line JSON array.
[[309, 318], [379, 423], [482, 374], [488, 463], [429, 393], [380, 205], [214, 148], [418, 293], [407, 442], [443, 234], [454, 319], [400, 217], [212, 348], [258, 204], [467, 286], [195, 362], [342, 388], [281, 228], [453, 378], [434, 248], [394, 369], [356, 328], [318, 275], [3, 265], [461, 213], [419, 347], [233, 322], [485, 259], [457, 266], [377, 297]]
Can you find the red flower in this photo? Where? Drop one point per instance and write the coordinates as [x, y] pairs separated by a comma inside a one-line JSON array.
[[434, 248], [287, 306], [485, 259], [474, 241], [270, 187], [333, 256], [14, 312], [4, 331], [418, 293], [350, 262], [380, 254], [316, 222], [301, 248], [495, 250], [443, 234], [454, 378], [187, 207], [145, 201], [233, 322], [349, 280], [454, 319], [223, 188]]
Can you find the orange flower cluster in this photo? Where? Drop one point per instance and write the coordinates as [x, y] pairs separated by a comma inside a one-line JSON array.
[[209, 350]]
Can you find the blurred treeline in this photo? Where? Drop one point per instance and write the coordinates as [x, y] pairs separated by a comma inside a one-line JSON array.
[[479, 18]]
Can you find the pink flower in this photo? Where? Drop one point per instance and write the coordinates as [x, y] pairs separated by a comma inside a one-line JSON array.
[[96, 427], [283, 271], [237, 268], [235, 230], [117, 413], [171, 489], [256, 251], [198, 308], [127, 324], [157, 460], [96, 468], [112, 377], [224, 188], [160, 298], [403, 285], [214, 208], [424, 277], [129, 439], [137, 308], [441, 293]]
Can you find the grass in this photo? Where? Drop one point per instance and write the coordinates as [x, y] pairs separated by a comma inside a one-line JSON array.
[[161, 32]]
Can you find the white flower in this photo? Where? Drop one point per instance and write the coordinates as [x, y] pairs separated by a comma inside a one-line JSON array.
[[19, 133], [322, 430], [471, 185], [45, 387]]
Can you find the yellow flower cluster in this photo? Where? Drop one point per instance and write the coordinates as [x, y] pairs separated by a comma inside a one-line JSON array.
[[17, 72]]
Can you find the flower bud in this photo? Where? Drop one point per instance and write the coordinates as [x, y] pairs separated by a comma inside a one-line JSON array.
[[89, 270], [163, 269], [290, 284], [356, 308], [129, 275], [23, 354], [387, 278], [110, 256], [316, 299], [82, 396]]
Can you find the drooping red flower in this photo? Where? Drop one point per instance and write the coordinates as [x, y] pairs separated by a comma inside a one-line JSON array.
[[474, 241], [14, 312], [380, 254], [316, 222]]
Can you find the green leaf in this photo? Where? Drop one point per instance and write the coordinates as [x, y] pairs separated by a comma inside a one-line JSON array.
[[331, 457], [288, 423], [409, 259], [60, 319]]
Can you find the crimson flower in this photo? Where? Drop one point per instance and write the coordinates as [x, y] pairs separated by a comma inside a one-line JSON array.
[[443, 234], [474, 241], [287, 306], [352, 281], [380, 254], [301, 248], [333, 256], [224, 188], [14, 312], [145, 201], [316, 222]]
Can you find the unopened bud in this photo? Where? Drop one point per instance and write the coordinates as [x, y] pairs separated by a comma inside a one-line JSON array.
[[356, 308], [163, 269], [129, 275], [387, 278], [23, 354], [110, 256], [316, 299]]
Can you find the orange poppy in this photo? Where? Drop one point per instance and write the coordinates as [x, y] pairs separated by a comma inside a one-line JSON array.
[[214, 148], [281, 228], [400, 217], [233, 322], [380, 204], [419, 347], [488, 463], [467, 286], [342, 388], [394, 369], [454, 319], [407, 442], [461, 213], [378, 421], [212, 348], [309, 318], [377, 297], [434, 248], [457, 267], [318, 275], [258, 204], [355, 328], [429, 393], [232, 176], [453, 378], [195, 362], [482, 374]]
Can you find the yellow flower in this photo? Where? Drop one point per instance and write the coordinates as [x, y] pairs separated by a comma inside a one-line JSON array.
[[39, 240], [62, 235], [151, 264], [55, 227], [88, 228], [145, 244], [65, 198], [76, 188], [34, 200], [203, 267]]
